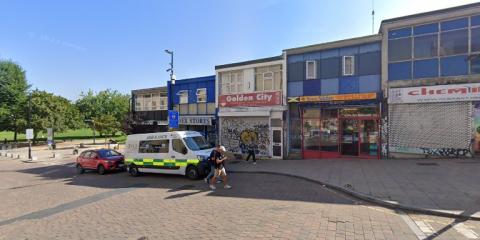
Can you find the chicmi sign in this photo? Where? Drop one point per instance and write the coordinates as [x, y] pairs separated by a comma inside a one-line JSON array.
[[251, 99], [439, 93]]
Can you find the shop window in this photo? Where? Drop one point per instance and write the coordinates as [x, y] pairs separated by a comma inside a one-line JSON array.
[[311, 113], [348, 65], [178, 146], [426, 46], [311, 70], [475, 65], [311, 134], [475, 40], [202, 108], [192, 108], [183, 96], [295, 134], [329, 130], [454, 42], [400, 49], [201, 95], [153, 146]]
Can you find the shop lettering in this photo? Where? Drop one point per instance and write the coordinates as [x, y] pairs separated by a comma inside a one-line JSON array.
[[462, 90], [251, 99], [242, 98]]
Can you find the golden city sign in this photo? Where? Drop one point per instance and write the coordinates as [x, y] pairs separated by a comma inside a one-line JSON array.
[[339, 97]]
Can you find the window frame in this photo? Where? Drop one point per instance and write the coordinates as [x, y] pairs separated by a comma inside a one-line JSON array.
[[352, 65], [307, 77], [201, 94], [182, 95]]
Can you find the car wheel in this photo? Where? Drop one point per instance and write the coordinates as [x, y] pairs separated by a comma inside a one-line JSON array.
[[101, 169], [80, 169], [192, 172], [133, 170]]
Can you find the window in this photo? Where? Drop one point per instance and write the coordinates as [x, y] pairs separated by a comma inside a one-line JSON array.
[[202, 95], [311, 70], [454, 42], [268, 78], [426, 46], [153, 146], [192, 108], [231, 82], [475, 65], [147, 102], [183, 95], [197, 143], [210, 108], [138, 103], [202, 108], [183, 108], [163, 103], [400, 49], [329, 130], [348, 65], [178, 146], [475, 40]]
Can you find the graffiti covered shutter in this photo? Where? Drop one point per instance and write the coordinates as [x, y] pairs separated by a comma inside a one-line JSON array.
[[430, 125], [237, 132]]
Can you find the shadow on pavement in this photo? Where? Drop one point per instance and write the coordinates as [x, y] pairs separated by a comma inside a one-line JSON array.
[[253, 186]]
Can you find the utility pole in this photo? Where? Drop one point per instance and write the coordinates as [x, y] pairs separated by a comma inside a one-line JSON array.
[[373, 17], [30, 125]]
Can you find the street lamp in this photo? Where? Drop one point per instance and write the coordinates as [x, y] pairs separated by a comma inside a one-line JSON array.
[[30, 124], [172, 76], [93, 124]]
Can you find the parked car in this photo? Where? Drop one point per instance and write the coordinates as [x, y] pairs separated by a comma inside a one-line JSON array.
[[102, 160]]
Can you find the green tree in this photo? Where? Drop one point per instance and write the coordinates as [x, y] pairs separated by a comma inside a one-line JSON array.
[[108, 102], [51, 111], [13, 97], [107, 125]]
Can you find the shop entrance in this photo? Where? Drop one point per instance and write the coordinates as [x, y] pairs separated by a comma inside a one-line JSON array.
[[335, 133]]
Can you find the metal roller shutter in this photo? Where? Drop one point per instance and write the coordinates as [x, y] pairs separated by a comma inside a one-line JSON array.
[[430, 125]]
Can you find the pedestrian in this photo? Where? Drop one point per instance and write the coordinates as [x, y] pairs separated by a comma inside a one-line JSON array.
[[251, 151], [5, 141], [211, 163], [220, 169]]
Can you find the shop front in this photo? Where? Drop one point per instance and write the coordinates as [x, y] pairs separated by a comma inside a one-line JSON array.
[[334, 127], [206, 125]]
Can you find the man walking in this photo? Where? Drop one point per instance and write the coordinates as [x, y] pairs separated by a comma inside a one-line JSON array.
[[251, 151], [211, 161], [220, 169]]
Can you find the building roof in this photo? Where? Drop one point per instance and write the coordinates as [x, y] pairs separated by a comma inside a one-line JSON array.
[[335, 44], [193, 80], [155, 89], [260, 60], [425, 14]]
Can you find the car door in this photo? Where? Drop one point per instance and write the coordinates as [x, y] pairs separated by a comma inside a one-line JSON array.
[[179, 154], [92, 160], [82, 159]]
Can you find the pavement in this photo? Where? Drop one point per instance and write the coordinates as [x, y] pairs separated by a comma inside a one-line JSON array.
[[446, 187]]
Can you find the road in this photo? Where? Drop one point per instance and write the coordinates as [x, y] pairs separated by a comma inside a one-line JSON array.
[[48, 200]]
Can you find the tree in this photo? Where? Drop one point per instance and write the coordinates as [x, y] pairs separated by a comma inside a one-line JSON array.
[[108, 102], [13, 97], [51, 111], [107, 125]]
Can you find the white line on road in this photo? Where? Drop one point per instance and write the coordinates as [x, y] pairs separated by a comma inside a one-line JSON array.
[[465, 231], [413, 226]]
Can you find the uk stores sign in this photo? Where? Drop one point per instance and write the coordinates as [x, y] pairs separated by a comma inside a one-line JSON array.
[[439, 93], [251, 99]]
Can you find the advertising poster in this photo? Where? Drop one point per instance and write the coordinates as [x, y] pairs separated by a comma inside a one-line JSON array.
[[476, 126]]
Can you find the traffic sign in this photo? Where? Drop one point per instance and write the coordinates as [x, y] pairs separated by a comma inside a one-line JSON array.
[[172, 119]]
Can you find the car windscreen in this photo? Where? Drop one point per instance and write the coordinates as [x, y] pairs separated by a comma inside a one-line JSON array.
[[105, 153], [197, 143]]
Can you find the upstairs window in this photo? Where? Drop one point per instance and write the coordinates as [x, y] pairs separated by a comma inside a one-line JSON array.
[[231, 82], [183, 95], [268, 78], [348, 65], [201, 95], [163, 103], [311, 70]]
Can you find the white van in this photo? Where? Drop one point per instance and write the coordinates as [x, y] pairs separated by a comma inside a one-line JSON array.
[[180, 152]]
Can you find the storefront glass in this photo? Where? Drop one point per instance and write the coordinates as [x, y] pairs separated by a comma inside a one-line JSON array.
[[329, 130]]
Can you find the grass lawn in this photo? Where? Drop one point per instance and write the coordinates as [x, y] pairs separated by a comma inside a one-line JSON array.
[[84, 133]]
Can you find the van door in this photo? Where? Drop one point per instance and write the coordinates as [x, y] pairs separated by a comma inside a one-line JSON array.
[[180, 154]]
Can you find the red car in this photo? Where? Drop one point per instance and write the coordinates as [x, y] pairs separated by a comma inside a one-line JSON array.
[[101, 160]]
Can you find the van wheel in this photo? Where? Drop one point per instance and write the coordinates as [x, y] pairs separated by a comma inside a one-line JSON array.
[[192, 172], [133, 170], [80, 169], [101, 169]]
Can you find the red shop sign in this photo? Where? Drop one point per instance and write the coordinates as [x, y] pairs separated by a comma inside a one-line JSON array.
[[251, 99]]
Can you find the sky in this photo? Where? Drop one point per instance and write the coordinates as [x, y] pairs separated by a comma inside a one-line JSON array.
[[67, 47]]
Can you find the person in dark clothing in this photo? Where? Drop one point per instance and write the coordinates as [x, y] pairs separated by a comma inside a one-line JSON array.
[[211, 161], [251, 152], [220, 169]]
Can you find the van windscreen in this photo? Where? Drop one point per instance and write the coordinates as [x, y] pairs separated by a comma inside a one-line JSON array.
[[197, 143]]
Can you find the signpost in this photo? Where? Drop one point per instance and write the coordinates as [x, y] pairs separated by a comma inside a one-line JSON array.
[[29, 136], [172, 119]]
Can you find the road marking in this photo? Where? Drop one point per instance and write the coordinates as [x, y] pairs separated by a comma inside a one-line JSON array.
[[465, 231], [424, 226], [412, 225]]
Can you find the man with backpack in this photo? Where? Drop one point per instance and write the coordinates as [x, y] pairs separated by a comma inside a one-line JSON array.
[[218, 158]]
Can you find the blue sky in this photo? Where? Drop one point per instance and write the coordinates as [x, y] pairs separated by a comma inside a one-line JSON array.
[[71, 46]]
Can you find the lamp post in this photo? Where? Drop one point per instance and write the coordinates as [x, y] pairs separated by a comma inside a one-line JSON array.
[[93, 125], [172, 82], [29, 124]]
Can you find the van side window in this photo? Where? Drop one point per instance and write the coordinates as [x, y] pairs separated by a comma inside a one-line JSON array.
[[178, 146], [153, 146]]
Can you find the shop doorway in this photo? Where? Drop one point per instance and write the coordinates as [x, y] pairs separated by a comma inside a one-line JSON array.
[[277, 143], [359, 137]]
